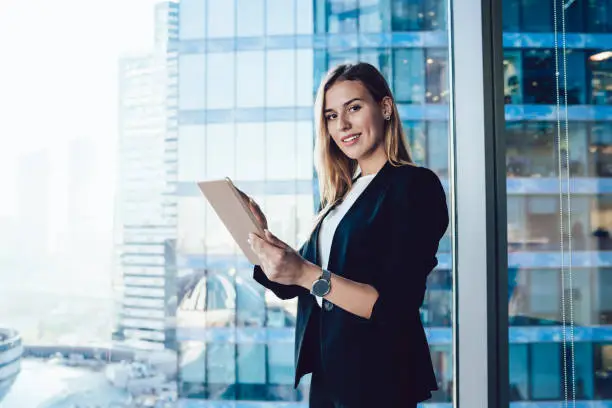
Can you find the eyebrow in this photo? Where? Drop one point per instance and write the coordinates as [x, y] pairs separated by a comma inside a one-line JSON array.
[[345, 103]]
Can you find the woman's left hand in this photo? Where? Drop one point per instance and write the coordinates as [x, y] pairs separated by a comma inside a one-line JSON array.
[[281, 263]]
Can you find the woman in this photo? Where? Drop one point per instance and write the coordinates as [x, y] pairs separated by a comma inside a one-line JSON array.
[[361, 276]]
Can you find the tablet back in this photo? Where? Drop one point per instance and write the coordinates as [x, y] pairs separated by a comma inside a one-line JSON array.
[[233, 212]]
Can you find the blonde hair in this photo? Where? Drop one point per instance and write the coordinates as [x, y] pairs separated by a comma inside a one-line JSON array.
[[334, 169]]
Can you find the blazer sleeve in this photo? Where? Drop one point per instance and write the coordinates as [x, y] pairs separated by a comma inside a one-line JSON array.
[[419, 219], [281, 291]]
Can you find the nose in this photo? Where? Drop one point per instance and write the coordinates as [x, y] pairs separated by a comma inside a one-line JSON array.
[[343, 123]]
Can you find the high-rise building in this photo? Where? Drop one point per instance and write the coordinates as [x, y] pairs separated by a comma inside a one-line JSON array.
[[145, 216]]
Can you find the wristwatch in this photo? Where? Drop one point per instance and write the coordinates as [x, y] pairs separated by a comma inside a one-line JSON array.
[[322, 286]]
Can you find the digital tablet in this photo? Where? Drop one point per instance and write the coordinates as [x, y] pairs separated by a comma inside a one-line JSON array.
[[233, 212]]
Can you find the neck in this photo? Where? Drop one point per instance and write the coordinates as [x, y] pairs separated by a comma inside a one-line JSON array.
[[373, 163]]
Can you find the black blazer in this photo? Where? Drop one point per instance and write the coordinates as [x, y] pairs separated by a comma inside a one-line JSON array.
[[388, 239]]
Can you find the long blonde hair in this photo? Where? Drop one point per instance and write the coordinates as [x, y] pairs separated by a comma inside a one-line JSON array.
[[334, 169]]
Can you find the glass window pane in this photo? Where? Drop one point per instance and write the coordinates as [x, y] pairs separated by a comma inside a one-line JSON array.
[[511, 15], [305, 14], [437, 152], [415, 136], [305, 78], [438, 83], [192, 19], [600, 73], [305, 150], [280, 363], [407, 15], [191, 149], [280, 151], [280, 78], [221, 363], [280, 17], [192, 361], [342, 16], [539, 72], [599, 16], [600, 149], [220, 151], [221, 19], [372, 16], [192, 91], [545, 373], [537, 16], [250, 151], [409, 76], [250, 303], [251, 364], [583, 356], [513, 92], [250, 17], [435, 15], [250, 89], [519, 368], [220, 83]]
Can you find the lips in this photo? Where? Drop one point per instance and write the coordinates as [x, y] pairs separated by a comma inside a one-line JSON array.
[[351, 139]]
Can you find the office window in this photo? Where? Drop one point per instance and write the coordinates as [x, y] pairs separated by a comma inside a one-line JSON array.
[[415, 136], [192, 87], [281, 212], [407, 15], [373, 16], [250, 152], [304, 139], [305, 87], [544, 292], [600, 149], [305, 16], [221, 19], [221, 364], [603, 369], [576, 78], [583, 358], [437, 148], [280, 78], [537, 16], [191, 149], [511, 15], [281, 363], [530, 150], [442, 359], [409, 76], [220, 147], [519, 379], [193, 19], [435, 16], [599, 16], [251, 362], [545, 371], [513, 76], [600, 74], [342, 16], [250, 18], [250, 303], [437, 82], [220, 81], [280, 151], [539, 77], [280, 17], [250, 84], [603, 285], [192, 361]]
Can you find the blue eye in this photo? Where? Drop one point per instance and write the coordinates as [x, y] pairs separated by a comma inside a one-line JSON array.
[[355, 108]]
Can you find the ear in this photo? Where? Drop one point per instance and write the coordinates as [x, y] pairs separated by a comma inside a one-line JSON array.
[[386, 105]]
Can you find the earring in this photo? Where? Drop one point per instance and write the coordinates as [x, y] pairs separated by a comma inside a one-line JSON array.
[[388, 117]]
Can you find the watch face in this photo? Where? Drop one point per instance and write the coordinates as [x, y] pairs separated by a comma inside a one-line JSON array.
[[320, 288]]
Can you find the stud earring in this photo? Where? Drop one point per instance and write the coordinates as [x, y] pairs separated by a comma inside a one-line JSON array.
[[388, 117]]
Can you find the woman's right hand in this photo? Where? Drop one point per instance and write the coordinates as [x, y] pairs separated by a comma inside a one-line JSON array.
[[261, 218]]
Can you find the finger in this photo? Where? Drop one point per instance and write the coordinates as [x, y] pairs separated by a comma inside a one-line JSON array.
[[273, 239]]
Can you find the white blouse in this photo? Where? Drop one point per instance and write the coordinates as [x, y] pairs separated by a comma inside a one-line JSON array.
[[333, 218]]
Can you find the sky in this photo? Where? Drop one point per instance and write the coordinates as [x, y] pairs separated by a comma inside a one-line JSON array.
[[58, 81]]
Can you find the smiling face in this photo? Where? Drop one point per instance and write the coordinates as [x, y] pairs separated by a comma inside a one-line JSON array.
[[356, 122]]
